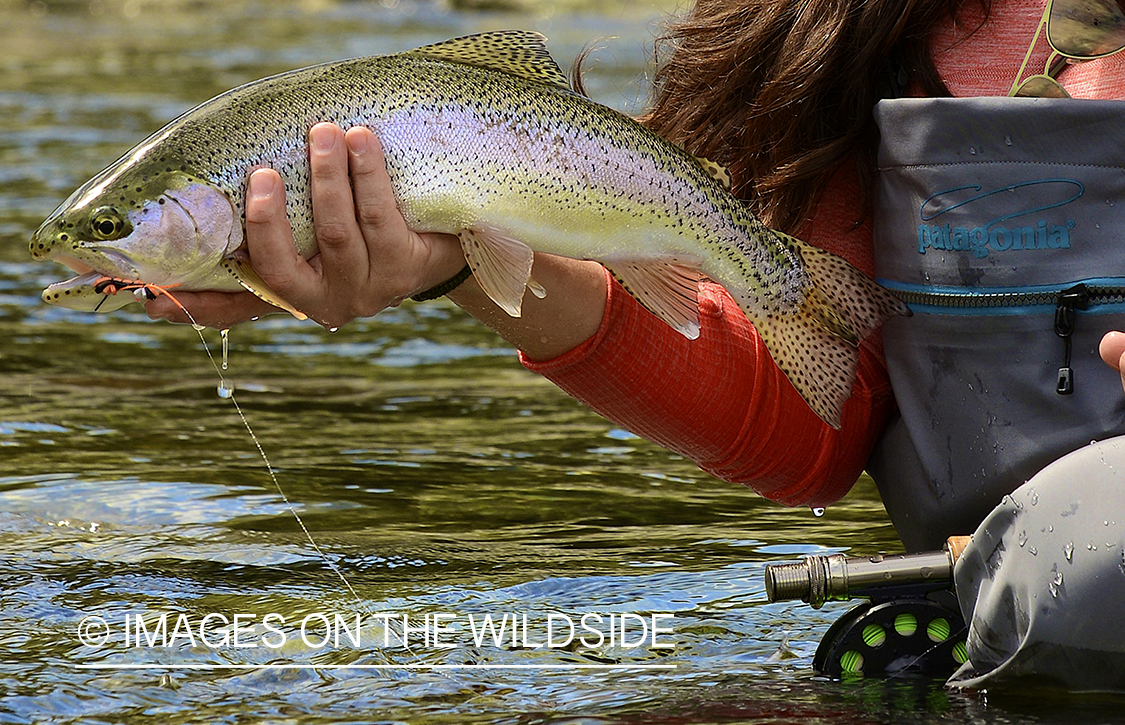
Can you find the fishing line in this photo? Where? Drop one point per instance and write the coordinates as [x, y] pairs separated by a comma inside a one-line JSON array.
[[108, 286], [226, 391]]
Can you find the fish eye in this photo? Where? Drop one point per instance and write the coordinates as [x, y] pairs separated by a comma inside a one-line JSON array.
[[107, 223]]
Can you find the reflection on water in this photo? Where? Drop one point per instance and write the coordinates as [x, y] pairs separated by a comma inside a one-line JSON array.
[[434, 472]]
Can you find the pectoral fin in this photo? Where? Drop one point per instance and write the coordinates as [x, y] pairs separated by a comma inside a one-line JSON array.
[[667, 288], [241, 270], [501, 266]]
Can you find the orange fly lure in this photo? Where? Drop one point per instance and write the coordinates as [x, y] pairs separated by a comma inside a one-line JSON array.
[[111, 286]]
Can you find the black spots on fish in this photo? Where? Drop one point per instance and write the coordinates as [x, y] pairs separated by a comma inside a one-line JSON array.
[[517, 52], [863, 302], [819, 365]]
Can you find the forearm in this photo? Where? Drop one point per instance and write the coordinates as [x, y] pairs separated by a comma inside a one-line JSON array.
[[570, 313]]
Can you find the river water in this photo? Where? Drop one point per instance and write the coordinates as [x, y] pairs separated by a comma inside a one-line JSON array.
[[436, 476]]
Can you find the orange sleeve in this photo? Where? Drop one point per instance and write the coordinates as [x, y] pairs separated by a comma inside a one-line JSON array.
[[720, 400]]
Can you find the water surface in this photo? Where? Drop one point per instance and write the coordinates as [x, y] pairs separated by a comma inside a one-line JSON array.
[[433, 472]]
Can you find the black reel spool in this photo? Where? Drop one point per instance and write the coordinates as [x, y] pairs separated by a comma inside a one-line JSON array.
[[906, 636]]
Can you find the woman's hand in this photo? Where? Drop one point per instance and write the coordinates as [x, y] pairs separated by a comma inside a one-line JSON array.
[[1112, 350], [368, 259]]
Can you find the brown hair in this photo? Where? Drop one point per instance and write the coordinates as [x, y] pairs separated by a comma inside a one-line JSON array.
[[781, 91]]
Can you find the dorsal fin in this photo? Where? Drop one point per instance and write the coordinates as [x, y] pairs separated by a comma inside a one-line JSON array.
[[716, 171], [521, 53]]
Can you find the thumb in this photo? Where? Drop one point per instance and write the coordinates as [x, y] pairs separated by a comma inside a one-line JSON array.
[[1112, 349]]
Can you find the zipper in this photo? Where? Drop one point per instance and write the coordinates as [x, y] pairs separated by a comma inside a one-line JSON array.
[[1098, 294], [1069, 300], [1081, 296]]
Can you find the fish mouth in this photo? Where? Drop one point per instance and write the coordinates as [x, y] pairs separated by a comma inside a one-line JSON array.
[[109, 264], [74, 264], [85, 290]]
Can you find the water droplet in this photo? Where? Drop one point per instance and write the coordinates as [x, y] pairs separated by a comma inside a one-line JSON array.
[[1056, 582], [1068, 550], [225, 335], [1033, 550], [333, 329], [226, 390], [1050, 528], [1034, 498], [972, 151], [817, 511], [1109, 202], [1022, 538], [1007, 140]]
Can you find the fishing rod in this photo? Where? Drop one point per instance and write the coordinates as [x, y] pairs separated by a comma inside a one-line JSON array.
[[911, 625]]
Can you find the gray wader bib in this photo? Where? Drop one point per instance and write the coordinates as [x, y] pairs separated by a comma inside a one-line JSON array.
[[1002, 222]]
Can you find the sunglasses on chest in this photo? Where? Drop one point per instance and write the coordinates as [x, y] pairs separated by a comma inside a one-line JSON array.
[[1076, 30]]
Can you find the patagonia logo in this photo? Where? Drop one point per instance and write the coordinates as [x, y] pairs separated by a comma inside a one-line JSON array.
[[997, 234]]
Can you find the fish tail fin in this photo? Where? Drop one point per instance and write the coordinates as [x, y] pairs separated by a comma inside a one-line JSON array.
[[817, 344]]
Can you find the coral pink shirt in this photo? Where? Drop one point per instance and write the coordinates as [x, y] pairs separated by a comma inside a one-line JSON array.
[[720, 400]]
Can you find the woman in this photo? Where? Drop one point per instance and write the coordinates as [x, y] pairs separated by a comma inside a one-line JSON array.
[[782, 92]]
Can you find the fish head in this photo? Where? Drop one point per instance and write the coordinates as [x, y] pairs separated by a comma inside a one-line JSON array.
[[163, 226]]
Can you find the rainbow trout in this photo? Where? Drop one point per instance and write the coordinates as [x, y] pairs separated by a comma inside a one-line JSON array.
[[485, 139]]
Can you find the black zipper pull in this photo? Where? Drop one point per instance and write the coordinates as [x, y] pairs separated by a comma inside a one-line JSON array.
[[1069, 300]]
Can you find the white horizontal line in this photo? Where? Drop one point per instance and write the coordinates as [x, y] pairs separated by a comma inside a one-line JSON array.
[[158, 666]]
